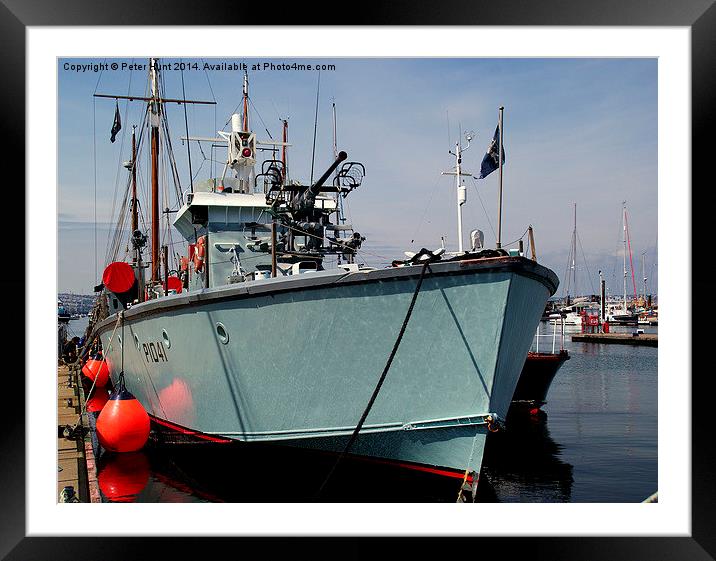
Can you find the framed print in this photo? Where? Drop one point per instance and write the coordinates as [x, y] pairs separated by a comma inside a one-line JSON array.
[[601, 97]]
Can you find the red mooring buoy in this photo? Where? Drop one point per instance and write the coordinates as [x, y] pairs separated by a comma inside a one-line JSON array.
[[96, 368], [123, 424], [97, 399]]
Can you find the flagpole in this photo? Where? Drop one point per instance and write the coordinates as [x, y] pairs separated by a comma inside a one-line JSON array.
[[499, 203]]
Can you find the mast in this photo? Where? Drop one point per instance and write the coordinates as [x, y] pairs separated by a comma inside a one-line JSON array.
[[137, 242], [574, 252], [135, 221], [631, 261], [335, 134], [273, 248], [155, 116], [625, 250], [339, 200], [460, 196], [602, 299], [643, 274], [246, 102], [459, 185], [499, 200], [284, 158], [165, 252]]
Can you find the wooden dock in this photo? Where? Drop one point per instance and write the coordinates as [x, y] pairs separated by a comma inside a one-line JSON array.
[[75, 458], [643, 339]]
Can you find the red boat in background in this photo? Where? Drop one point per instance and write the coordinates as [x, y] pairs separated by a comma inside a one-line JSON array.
[[538, 372], [536, 377]]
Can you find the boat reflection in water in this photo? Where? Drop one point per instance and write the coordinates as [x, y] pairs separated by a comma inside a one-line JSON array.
[[522, 463], [122, 477], [234, 472], [185, 469]]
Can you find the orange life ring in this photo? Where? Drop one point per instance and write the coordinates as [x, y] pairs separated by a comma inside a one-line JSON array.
[[199, 251]]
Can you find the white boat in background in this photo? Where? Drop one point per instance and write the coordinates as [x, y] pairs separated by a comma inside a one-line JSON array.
[[575, 314]]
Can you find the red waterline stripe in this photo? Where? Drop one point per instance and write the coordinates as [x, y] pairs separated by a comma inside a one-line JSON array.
[[405, 465], [417, 467]]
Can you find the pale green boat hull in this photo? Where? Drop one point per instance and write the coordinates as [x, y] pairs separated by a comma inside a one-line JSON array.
[[304, 355]]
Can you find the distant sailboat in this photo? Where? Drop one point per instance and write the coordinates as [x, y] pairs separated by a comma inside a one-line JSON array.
[[576, 307], [620, 314]]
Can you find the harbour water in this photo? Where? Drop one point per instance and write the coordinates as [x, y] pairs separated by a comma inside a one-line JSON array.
[[595, 440]]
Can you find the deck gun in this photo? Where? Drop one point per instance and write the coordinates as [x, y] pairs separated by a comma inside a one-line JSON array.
[[303, 204]]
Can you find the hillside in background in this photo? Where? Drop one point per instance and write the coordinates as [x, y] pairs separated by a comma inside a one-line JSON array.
[[76, 303]]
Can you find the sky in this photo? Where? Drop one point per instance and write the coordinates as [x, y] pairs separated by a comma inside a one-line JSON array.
[[576, 130]]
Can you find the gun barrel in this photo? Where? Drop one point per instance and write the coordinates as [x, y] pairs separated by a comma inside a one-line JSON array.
[[321, 180]]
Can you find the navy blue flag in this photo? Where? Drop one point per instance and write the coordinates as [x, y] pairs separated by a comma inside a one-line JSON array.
[[117, 126], [490, 161]]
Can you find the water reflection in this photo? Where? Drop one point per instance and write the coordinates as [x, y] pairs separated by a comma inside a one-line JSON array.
[[121, 477], [236, 472], [523, 463]]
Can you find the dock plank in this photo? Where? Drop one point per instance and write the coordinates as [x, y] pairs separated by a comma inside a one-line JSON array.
[[643, 339], [73, 456]]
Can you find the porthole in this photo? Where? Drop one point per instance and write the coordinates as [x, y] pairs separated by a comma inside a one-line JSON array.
[[165, 337], [222, 333], [136, 342]]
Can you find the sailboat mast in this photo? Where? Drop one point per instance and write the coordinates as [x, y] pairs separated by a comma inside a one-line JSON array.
[[574, 252], [631, 260], [625, 250], [155, 115]]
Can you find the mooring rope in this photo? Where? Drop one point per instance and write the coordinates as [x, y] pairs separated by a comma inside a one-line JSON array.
[[460, 494], [84, 408], [373, 397]]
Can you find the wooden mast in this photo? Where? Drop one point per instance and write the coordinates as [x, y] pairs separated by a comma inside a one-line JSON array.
[[155, 116]]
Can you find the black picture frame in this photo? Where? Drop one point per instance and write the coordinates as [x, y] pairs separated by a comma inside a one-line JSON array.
[[699, 15]]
